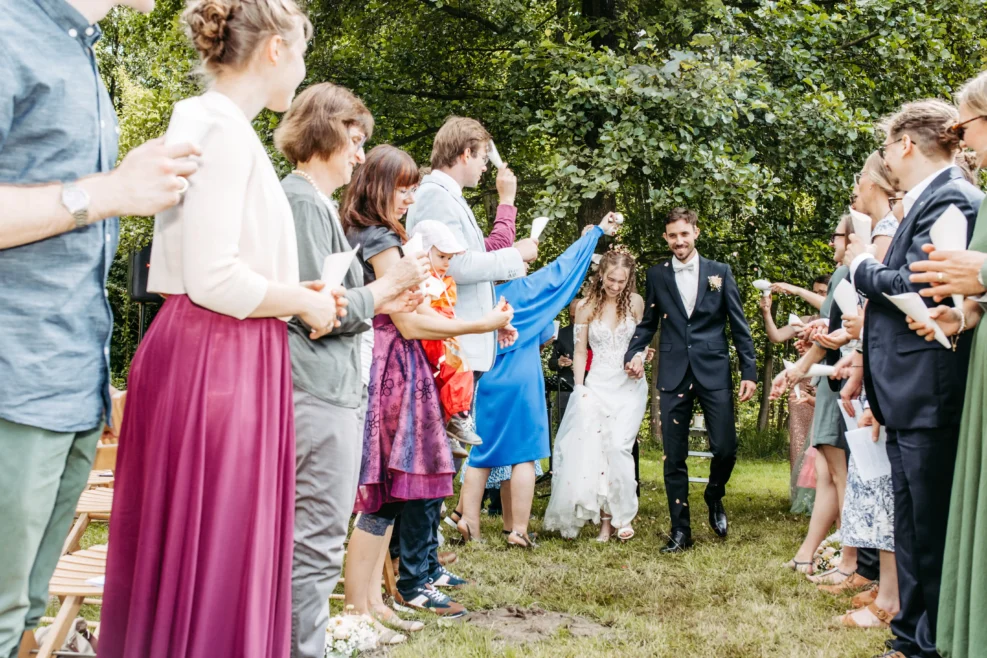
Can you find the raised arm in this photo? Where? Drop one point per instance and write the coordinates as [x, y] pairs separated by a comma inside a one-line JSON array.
[[504, 230], [580, 339], [775, 335], [814, 300]]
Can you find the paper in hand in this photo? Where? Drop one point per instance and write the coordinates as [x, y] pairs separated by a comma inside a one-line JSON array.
[[414, 245], [334, 268], [795, 321], [494, 156], [846, 297], [852, 421], [869, 456], [861, 226], [433, 287], [538, 226], [558, 325], [912, 305], [949, 234], [815, 370], [764, 286]]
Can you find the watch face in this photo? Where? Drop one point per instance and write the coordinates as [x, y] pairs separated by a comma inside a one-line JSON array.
[[75, 198]]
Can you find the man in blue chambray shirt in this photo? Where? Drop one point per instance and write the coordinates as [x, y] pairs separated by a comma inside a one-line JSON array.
[[59, 202]]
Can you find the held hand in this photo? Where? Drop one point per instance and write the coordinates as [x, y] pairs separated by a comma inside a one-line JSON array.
[[406, 302], [341, 302], [843, 368], [947, 317], [851, 390], [949, 272], [565, 362], [411, 270], [498, 317], [747, 390], [811, 400], [151, 178], [635, 367], [528, 249], [835, 340], [780, 384], [854, 324], [320, 309], [866, 419], [506, 186], [765, 304], [814, 329], [649, 354]]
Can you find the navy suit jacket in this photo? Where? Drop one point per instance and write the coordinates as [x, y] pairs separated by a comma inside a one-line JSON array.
[[699, 340], [912, 383]]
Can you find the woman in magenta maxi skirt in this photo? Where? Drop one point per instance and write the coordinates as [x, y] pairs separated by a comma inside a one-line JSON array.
[[200, 546]]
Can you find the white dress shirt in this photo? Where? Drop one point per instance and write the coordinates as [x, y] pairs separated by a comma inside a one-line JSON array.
[[233, 233], [908, 202], [687, 281]]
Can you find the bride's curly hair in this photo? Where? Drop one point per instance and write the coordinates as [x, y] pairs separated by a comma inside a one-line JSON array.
[[597, 296]]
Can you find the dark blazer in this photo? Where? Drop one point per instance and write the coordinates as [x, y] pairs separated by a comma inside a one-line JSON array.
[[564, 346], [699, 340], [912, 383]]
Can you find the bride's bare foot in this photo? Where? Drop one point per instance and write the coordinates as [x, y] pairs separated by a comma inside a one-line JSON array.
[[605, 529]]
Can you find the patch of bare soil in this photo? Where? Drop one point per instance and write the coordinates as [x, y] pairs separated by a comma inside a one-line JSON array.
[[514, 625]]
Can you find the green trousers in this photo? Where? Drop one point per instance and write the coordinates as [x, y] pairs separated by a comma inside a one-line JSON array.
[[42, 475]]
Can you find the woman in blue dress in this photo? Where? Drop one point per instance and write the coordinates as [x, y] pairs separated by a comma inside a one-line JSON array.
[[511, 414]]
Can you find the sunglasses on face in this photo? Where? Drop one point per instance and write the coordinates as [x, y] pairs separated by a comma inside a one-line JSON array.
[[959, 129], [883, 148]]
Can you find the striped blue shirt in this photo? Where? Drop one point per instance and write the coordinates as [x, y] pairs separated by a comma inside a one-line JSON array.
[[56, 124]]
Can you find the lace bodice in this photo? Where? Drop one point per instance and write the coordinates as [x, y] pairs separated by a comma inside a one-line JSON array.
[[609, 346]]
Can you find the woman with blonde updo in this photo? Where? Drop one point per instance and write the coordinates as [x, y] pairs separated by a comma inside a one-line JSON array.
[[593, 476], [200, 562]]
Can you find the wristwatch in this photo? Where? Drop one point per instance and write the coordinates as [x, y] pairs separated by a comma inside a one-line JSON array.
[[76, 201]]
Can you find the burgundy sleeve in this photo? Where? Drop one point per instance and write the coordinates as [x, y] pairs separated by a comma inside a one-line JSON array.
[[504, 229]]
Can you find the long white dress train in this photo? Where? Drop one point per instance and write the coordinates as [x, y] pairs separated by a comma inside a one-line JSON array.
[[593, 468]]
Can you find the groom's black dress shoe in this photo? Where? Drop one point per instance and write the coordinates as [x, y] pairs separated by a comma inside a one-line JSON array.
[[717, 517], [678, 542]]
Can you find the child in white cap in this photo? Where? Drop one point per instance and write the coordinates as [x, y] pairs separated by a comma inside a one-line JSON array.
[[453, 375]]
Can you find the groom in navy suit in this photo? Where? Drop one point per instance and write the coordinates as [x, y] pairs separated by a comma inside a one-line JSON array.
[[693, 299]]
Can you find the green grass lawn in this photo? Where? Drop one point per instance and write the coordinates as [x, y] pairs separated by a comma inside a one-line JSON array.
[[722, 599]]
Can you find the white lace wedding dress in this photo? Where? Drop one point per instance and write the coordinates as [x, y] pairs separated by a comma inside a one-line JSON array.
[[592, 464]]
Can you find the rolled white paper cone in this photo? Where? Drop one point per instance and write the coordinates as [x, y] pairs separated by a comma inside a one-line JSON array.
[[494, 156], [537, 226], [795, 321], [334, 269], [764, 286], [846, 297], [949, 234], [912, 305], [861, 225]]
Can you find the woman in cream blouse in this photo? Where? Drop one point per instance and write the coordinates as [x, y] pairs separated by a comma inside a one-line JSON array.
[[200, 562]]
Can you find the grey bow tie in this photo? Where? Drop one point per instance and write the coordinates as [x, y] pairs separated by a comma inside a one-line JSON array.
[[684, 267]]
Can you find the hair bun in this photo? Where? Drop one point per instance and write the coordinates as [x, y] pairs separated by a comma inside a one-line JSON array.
[[208, 26]]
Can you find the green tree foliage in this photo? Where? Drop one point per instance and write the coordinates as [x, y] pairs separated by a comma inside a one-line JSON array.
[[754, 112]]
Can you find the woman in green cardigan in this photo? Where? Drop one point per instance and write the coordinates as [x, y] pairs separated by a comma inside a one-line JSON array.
[[961, 631]]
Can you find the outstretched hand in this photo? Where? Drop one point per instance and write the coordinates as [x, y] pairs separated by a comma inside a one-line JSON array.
[[635, 367]]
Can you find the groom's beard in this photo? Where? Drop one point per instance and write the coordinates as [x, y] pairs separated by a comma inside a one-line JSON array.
[[687, 257]]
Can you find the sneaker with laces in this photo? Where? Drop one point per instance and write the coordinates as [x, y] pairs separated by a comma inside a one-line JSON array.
[[459, 428], [428, 599], [445, 578]]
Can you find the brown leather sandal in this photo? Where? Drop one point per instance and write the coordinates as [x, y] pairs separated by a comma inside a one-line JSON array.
[[883, 618]]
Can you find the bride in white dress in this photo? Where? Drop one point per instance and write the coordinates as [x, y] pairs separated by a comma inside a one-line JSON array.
[[593, 470]]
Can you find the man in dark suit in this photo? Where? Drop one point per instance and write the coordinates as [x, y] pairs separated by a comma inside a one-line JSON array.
[[916, 388], [693, 299]]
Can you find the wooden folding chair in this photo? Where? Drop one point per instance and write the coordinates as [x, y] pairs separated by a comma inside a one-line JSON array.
[[70, 585], [94, 505]]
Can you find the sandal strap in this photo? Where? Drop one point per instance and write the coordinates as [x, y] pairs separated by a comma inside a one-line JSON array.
[[883, 615]]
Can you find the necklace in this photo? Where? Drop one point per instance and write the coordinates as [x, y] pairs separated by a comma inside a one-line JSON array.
[[299, 172]]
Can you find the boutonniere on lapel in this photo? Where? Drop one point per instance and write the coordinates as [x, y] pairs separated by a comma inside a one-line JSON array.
[[715, 283]]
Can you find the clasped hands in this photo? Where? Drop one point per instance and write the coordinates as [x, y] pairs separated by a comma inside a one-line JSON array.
[[635, 370]]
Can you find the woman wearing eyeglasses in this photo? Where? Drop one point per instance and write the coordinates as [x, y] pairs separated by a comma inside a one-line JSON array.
[[963, 596]]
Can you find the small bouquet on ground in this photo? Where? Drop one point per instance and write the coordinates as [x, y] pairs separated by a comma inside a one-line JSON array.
[[348, 635]]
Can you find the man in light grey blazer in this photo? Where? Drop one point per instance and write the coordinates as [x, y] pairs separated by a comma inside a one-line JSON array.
[[459, 158]]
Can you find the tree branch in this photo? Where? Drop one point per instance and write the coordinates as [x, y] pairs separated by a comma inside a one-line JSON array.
[[414, 137], [465, 14], [857, 42]]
